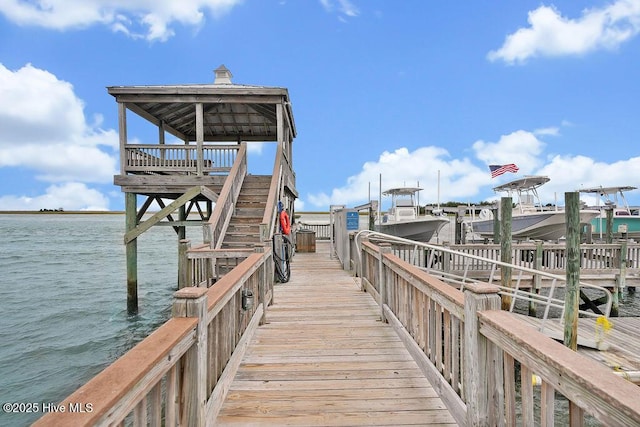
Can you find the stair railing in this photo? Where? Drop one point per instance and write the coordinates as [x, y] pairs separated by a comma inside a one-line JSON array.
[[225, 205], [267, 226]]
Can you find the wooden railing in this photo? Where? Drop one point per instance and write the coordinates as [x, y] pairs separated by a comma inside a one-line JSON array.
[[282, 174], [202, 266], [469, 350], [521, 285], [171, 158], [267, 226], [180, 374], [221, 215], [594, 258], [323, 231]]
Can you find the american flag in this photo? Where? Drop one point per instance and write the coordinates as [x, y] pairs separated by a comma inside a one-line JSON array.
[[497, 170]]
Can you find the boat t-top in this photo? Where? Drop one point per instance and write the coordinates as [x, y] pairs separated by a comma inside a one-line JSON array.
[[624, 218], [403, 218], [530, 219]]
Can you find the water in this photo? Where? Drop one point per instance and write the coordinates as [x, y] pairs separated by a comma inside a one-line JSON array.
[[63, 301]]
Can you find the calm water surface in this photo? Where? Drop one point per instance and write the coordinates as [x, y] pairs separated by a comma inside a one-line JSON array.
[[63, 301]]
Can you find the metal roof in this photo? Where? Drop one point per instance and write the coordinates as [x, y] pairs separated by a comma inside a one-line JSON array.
[[607, 190], [401, 191], [232, 112], [527, 183]]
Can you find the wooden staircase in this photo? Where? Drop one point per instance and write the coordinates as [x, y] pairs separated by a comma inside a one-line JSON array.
[[244, 228]]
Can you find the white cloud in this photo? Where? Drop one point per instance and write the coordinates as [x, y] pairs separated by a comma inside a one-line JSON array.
[[49, 134], [520, 147], [550, 131], [462, 180], [69, 196], [458, 177], [345, 7], [150, 19], [551, 34]]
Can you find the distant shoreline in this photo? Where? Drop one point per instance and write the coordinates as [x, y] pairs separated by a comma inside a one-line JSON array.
[[61, 212], [116, 213]]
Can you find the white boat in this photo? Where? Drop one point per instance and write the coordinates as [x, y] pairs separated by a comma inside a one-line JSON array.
[[530, 220], [625, 219], [403, 218]]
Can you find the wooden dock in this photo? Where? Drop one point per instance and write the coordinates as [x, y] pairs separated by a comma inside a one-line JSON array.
[[620, 346], [325, 358]]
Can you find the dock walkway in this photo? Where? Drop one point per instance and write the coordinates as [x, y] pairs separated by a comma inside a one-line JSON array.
[[325, 358]]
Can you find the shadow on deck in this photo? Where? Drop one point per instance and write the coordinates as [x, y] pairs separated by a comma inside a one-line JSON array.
[[325, 358]]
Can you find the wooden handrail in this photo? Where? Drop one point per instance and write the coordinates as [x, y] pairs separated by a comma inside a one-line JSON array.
[[174, 374], [268, 219], [609, 398], [113, 393], [223, 209], [437, 323]]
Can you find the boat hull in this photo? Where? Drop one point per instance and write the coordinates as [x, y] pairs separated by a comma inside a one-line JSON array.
[[421, 229], [549, 225], [632, 222]]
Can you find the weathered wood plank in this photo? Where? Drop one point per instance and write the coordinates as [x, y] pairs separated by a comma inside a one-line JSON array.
[[325, 358]]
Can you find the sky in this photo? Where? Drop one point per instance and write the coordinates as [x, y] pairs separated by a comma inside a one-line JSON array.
[[410, 92]]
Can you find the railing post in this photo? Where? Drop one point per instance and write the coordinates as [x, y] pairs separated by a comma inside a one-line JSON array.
[[262, 283], [184, 267], [609, 225], [483, 361], [572, 287], [505, 247], [361, 266], [622, 278], [536, 281], [383, 248], [192, 302], [446, 259], [264, 232]]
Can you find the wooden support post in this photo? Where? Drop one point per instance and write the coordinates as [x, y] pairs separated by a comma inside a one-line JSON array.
[[192, 302], [383, 248], [622, 277], [182, 230], [184, 267], [505, 247], [458, 239], [262, 284], [483, 361], [609, 225], [132, 253], [572, 294], [496, 225], [446, 259], [537, 279], [199, 138]]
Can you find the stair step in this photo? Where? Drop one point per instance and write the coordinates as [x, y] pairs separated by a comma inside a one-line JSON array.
[[239, 245], [251, 203], [244, 226], [249, 212], [250, 240]]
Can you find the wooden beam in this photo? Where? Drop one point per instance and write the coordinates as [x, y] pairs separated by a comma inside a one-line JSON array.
[[209, 194], [572, 292], [144, 226], [132, 254], [145, 115]]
